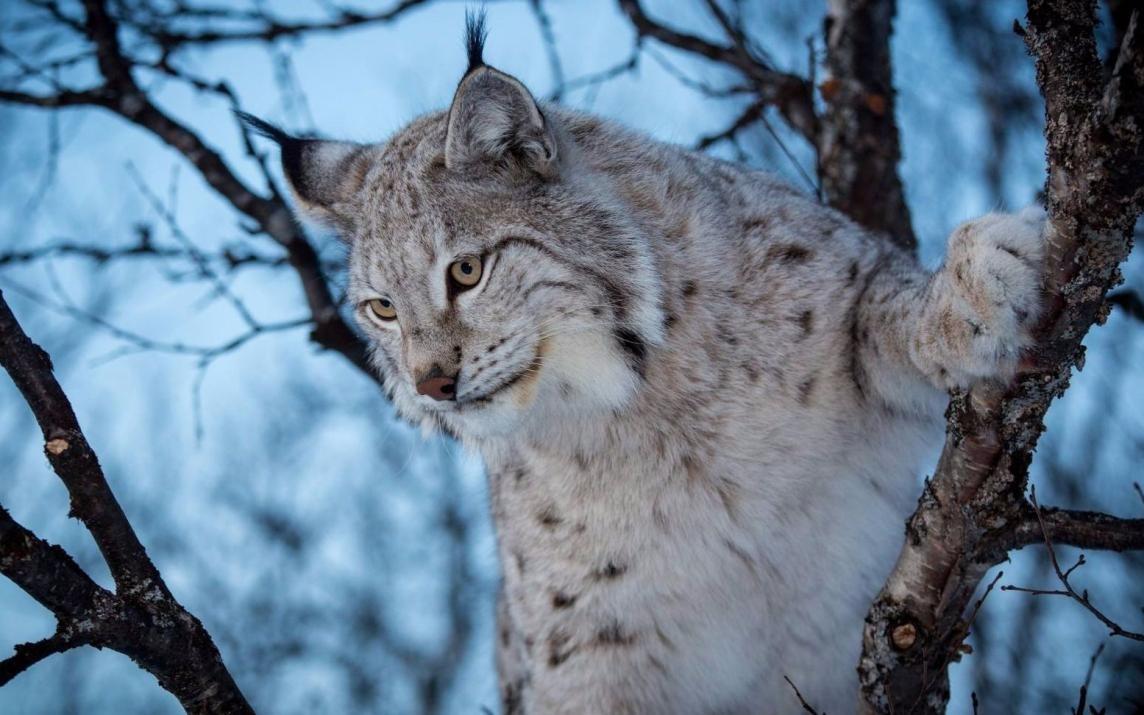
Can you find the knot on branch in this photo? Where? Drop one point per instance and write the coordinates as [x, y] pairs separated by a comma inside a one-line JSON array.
[[56, 446]]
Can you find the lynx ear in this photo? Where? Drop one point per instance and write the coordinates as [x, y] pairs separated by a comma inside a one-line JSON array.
[[494, 121], [323, 175]]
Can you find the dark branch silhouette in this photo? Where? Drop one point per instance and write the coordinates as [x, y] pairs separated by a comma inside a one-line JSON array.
[[141, 619]]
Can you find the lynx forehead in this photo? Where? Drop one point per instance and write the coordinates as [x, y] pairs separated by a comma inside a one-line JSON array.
[[702, 398]]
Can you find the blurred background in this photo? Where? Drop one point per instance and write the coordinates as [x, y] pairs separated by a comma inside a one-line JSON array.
[[343, 562]]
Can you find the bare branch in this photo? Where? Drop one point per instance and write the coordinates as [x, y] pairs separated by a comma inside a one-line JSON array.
[[1063, 576], [549, 35], [142, 619], [28, 654], [801, 700], [1082, 529], [1096, 155], [46, 572], [1079, 710], [121, 94], [270, 28], [858, 144], [791, 94], [72, 458], [749, 116], [1129, 301]]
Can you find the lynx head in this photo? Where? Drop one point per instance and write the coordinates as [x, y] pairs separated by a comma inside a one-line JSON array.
[[499, 280]]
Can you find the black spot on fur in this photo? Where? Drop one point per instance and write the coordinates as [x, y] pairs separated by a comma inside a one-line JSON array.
[[558, 648], [476, 33], [856, 369], [751, 370], [635, 347], [805, 321], [511, 699], [562, 600], [610, 571], [804, 391], [789, 253], [724, 334], [852, 273], [689, 289], [613, 635], [548, 518], [756, 223]]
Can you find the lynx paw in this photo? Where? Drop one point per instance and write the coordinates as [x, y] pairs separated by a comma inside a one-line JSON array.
[[985, 298]]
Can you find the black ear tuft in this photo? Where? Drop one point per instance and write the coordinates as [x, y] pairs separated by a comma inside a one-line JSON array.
[[475, 35], [321, 173], [291, 147], [265, 128]]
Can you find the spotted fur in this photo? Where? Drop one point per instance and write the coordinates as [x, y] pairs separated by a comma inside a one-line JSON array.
[[703, 398]]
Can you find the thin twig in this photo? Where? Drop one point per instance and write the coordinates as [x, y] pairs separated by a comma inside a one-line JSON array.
[[1082, 598], [805, 705]]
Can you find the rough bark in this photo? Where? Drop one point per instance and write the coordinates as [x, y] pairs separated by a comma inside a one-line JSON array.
[[858, 144], [974, 506], [141, 619]]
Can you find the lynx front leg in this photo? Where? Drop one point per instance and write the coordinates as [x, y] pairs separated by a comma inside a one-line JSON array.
[[979, 307], [970, 320]]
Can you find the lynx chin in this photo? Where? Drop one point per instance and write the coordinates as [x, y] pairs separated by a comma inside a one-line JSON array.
[[703, 398]]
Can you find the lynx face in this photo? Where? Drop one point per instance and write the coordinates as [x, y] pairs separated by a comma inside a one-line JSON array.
[[485, 306], [495, 275]]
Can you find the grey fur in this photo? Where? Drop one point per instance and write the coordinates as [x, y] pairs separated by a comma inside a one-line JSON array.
[[702, 397]]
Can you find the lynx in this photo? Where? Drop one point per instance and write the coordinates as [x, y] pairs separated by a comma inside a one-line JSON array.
[[703, 398]]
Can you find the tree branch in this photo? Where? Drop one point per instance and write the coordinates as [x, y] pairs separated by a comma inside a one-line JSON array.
[[791, 94], [28, 654], [1063, 576], [858, 144], [72, 457], [141, 619], [856, 139], [120, 93], [1096, 157], [1082, 529], [270, 28]]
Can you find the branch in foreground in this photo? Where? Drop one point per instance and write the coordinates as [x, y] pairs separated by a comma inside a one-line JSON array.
[[1095, 134], [141, 619]]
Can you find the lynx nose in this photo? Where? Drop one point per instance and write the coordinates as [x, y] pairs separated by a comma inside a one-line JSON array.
[[437, 384]]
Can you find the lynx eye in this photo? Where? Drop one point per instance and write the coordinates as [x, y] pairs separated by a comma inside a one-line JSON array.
[[382, 308], [466, 272]]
